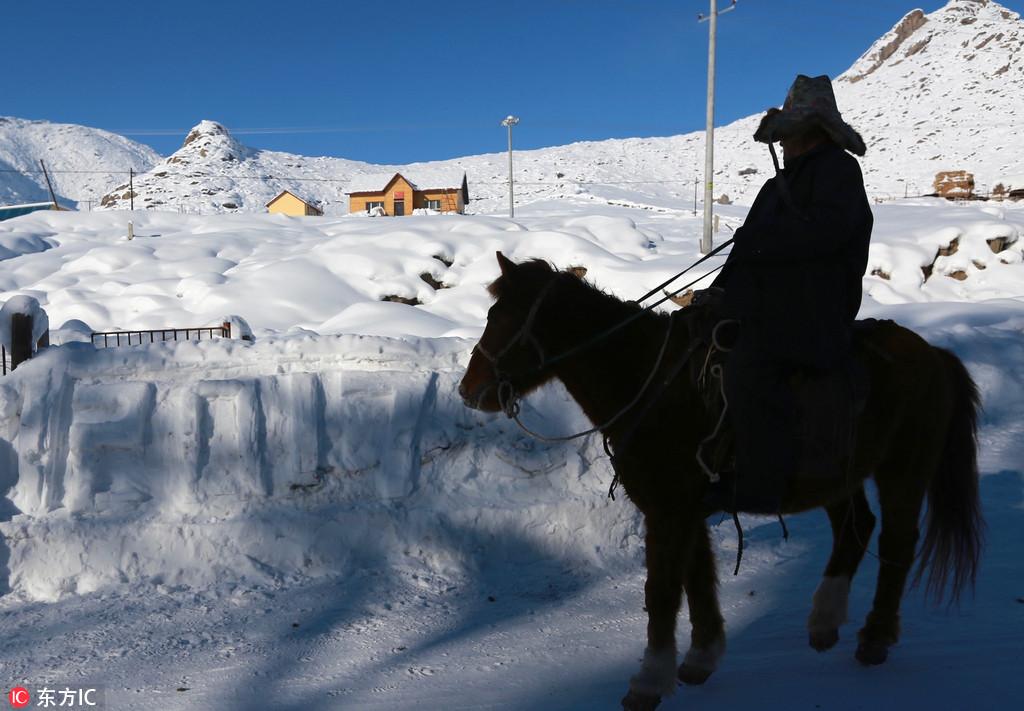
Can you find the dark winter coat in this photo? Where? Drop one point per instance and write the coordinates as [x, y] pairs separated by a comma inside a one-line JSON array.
[[794, 274]]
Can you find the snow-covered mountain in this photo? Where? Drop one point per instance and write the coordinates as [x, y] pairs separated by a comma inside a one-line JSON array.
[[937, 92], [83, 162], [213, 172]]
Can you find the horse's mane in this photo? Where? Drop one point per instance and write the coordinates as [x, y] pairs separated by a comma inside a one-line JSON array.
[[535, 270], [531, 276]]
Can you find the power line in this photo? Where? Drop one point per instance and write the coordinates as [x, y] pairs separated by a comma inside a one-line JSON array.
[[31, 171], [297, 178]]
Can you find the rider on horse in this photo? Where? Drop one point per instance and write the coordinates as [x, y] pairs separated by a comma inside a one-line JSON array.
[[793, 280]]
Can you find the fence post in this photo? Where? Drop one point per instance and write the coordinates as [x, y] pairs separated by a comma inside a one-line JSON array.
[[21, 339]]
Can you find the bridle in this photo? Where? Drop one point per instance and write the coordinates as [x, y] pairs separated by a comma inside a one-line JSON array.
[[525, 335], [509, 399]]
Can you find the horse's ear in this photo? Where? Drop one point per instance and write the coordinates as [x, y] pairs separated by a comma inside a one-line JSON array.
[[506, 264]]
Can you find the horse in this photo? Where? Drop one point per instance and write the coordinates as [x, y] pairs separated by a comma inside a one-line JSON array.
[[916, 436]]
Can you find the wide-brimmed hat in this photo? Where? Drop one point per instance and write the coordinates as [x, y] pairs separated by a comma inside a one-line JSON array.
[[810, 103]]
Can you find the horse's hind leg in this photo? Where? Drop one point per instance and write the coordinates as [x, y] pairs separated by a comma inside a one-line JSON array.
[[852, 523], [707, 635], [901, 501]]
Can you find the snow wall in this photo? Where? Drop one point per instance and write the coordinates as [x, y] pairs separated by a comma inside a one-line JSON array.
[[216, 463], [220, 461]]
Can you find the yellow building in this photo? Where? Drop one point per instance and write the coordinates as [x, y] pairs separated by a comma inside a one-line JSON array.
[[290, 204], [397, 195]]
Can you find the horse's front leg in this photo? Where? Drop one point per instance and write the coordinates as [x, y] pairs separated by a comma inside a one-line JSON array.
[[707, 638], [668, 543]]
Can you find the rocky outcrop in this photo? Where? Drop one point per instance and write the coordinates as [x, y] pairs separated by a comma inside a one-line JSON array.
[[952, 184], [897, 36]]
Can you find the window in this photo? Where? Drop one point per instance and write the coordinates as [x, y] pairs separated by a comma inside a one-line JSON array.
[[375, 206], [432, 205]]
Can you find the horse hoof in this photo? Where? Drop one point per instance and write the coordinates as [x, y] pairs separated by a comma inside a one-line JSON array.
[[693, 676], [872, 653], [824, 640], [640, 702]]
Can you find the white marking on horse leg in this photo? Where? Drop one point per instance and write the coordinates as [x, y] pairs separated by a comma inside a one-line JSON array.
[[657, 675], [831, 600], [706, 658]]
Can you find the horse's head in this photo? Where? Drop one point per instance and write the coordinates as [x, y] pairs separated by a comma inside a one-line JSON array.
[[508, 361]]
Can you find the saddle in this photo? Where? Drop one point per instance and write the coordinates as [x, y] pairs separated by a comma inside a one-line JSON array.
[[828, 403]]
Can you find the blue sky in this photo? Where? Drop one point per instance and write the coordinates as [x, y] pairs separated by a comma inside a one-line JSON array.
[[400, 81]]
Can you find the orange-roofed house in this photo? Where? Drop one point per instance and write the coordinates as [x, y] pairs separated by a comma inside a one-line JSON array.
[[398, 194]]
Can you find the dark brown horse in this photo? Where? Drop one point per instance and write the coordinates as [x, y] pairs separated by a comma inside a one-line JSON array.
[[916, 435]]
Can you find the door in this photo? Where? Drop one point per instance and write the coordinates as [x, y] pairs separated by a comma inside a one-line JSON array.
[[399, 208]]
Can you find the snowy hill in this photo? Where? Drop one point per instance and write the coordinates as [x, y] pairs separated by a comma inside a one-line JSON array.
[[213, 172], [938, 92], [83, 162]]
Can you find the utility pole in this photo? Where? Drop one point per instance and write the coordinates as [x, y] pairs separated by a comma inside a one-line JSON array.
[[131, 186], [49, 185], [709, 135], [696, 186], [510, 121]]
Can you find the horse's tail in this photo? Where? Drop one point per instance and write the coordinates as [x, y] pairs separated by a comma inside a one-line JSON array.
[[955, 529]]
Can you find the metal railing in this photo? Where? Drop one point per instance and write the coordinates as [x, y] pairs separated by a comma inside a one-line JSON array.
[[113, 339]]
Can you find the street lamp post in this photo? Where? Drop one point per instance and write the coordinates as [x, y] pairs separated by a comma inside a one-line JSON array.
[[510, 121]]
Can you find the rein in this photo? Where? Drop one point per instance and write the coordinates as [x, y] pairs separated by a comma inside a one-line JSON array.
[[700, 261], [511, 406], [508, 398]]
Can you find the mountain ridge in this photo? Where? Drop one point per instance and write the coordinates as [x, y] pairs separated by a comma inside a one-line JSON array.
[[937, 92]]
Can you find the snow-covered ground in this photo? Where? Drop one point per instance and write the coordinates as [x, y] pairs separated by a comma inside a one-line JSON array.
[[314, 520]]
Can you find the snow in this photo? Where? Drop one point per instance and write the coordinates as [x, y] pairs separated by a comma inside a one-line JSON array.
[[312, 519], [329, 275], [420, 179], [204, 514], [76, 157], [22, 306], [240, 329]]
